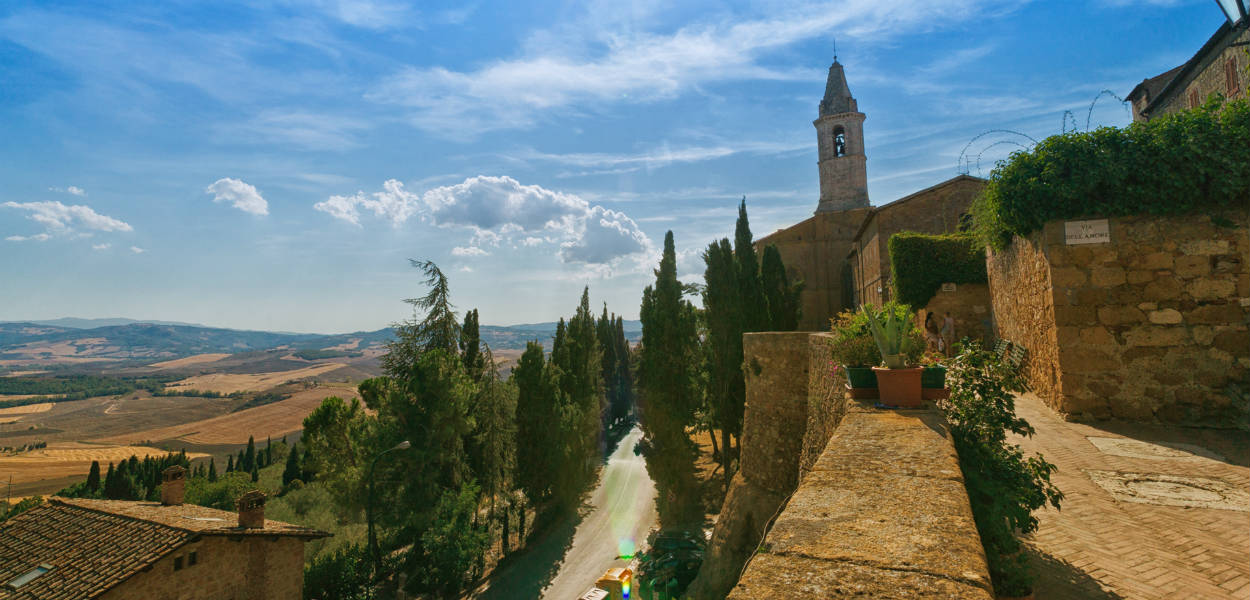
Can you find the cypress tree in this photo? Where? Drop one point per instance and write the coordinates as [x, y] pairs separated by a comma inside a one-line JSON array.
[[754, 313], [291, 471], [781, 296], [535, 416], [723, 314], [229, 463], [93, 477], [471, 345], [255, 474], [249, 457], [268, 452], [667, 376], [212, 469]]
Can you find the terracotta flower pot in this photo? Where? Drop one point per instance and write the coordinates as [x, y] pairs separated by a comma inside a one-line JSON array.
[[899, 387]]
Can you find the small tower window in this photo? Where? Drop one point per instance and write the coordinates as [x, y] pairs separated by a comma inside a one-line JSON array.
[[839, 142]]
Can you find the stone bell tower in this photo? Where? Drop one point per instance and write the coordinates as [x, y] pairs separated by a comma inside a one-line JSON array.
[[840, 139]]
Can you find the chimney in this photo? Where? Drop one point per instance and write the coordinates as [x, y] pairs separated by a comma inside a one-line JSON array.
[[173, 484], [252, 510]]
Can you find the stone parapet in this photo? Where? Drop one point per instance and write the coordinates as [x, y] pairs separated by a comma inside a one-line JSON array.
[[882, 514]]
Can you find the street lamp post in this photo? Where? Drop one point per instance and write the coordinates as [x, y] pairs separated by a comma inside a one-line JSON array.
[[373, 540]]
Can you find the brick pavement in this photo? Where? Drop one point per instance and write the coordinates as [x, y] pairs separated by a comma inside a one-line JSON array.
[[1101, 547]]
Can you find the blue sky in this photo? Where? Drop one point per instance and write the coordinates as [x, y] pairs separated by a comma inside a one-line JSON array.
[[274, 165]]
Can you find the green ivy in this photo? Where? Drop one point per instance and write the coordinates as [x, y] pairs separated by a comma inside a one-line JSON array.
[[920, 264], [1193, 160]]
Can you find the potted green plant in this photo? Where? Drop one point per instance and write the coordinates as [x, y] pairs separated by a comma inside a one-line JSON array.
[[933, 377], [855, 352], [899, 342]]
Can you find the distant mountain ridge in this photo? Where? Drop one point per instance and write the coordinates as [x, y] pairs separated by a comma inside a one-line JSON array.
[[63, 341]]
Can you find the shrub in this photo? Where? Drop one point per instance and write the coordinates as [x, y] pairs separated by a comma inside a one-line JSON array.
[[1004, 486], [1193, 160], [853, 345], [920, 264]]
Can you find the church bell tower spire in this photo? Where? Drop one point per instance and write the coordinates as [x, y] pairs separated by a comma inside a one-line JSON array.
[[840, 143]]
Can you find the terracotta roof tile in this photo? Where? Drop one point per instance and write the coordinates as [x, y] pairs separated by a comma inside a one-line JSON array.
[[92, 545]]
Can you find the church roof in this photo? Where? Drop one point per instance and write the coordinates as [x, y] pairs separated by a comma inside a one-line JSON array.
[[837, 94]]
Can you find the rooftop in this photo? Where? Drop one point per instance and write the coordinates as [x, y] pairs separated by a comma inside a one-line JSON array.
[[92, 545]]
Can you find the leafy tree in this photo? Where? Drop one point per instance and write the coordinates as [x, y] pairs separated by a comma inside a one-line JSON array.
[[345, 574], [336, 435], [667, 377], [93, 477], [453, 544]]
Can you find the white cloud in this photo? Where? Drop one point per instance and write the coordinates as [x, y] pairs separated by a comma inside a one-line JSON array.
[[101, 246], [242, 196], [468, 251], [562, 69], [137, 250], [495, 209], [58, 218], [38, 237], [73, 189]]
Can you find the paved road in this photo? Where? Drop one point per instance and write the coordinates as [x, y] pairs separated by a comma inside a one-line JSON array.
[[572, 555]]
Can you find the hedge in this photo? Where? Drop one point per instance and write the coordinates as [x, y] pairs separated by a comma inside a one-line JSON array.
[[921, 263], [1193, 160]]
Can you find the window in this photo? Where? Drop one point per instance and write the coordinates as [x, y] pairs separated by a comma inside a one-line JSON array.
[[28, 576], [177, 563], [1230, 76], [192, 559], [1193, 99], [839, 142]]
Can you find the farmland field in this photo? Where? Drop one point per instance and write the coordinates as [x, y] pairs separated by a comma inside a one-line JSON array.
[[227, 383]]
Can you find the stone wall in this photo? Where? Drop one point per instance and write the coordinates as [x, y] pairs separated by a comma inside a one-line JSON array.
[[1210, 77], [874, 504], [1151, 326], [883, 514], [969, 305], [814, 251], [245, 568]]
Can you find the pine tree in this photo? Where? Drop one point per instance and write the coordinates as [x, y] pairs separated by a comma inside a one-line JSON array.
[[667, 375], [291, 471], [212, 470], [439, 329], [93, 477]]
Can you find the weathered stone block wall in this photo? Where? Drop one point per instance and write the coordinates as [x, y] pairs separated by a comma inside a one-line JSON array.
[[826, 399], [883, 514], [1024, 310], [815, 251], [224, 569], [969, 305], [1151, 326]]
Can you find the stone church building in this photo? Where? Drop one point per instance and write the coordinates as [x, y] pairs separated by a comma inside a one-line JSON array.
[[840, 252]]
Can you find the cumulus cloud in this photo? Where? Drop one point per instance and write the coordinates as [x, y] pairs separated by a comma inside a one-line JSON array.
[[495, 209], [137, 250], [239, 194], [62, 219]]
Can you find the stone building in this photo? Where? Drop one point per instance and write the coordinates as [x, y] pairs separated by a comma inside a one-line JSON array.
[[77, 549], [847, 233], [1221, 66]]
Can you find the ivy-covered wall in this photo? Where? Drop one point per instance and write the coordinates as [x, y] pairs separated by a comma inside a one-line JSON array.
[[921, 263], [1194, 161]]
